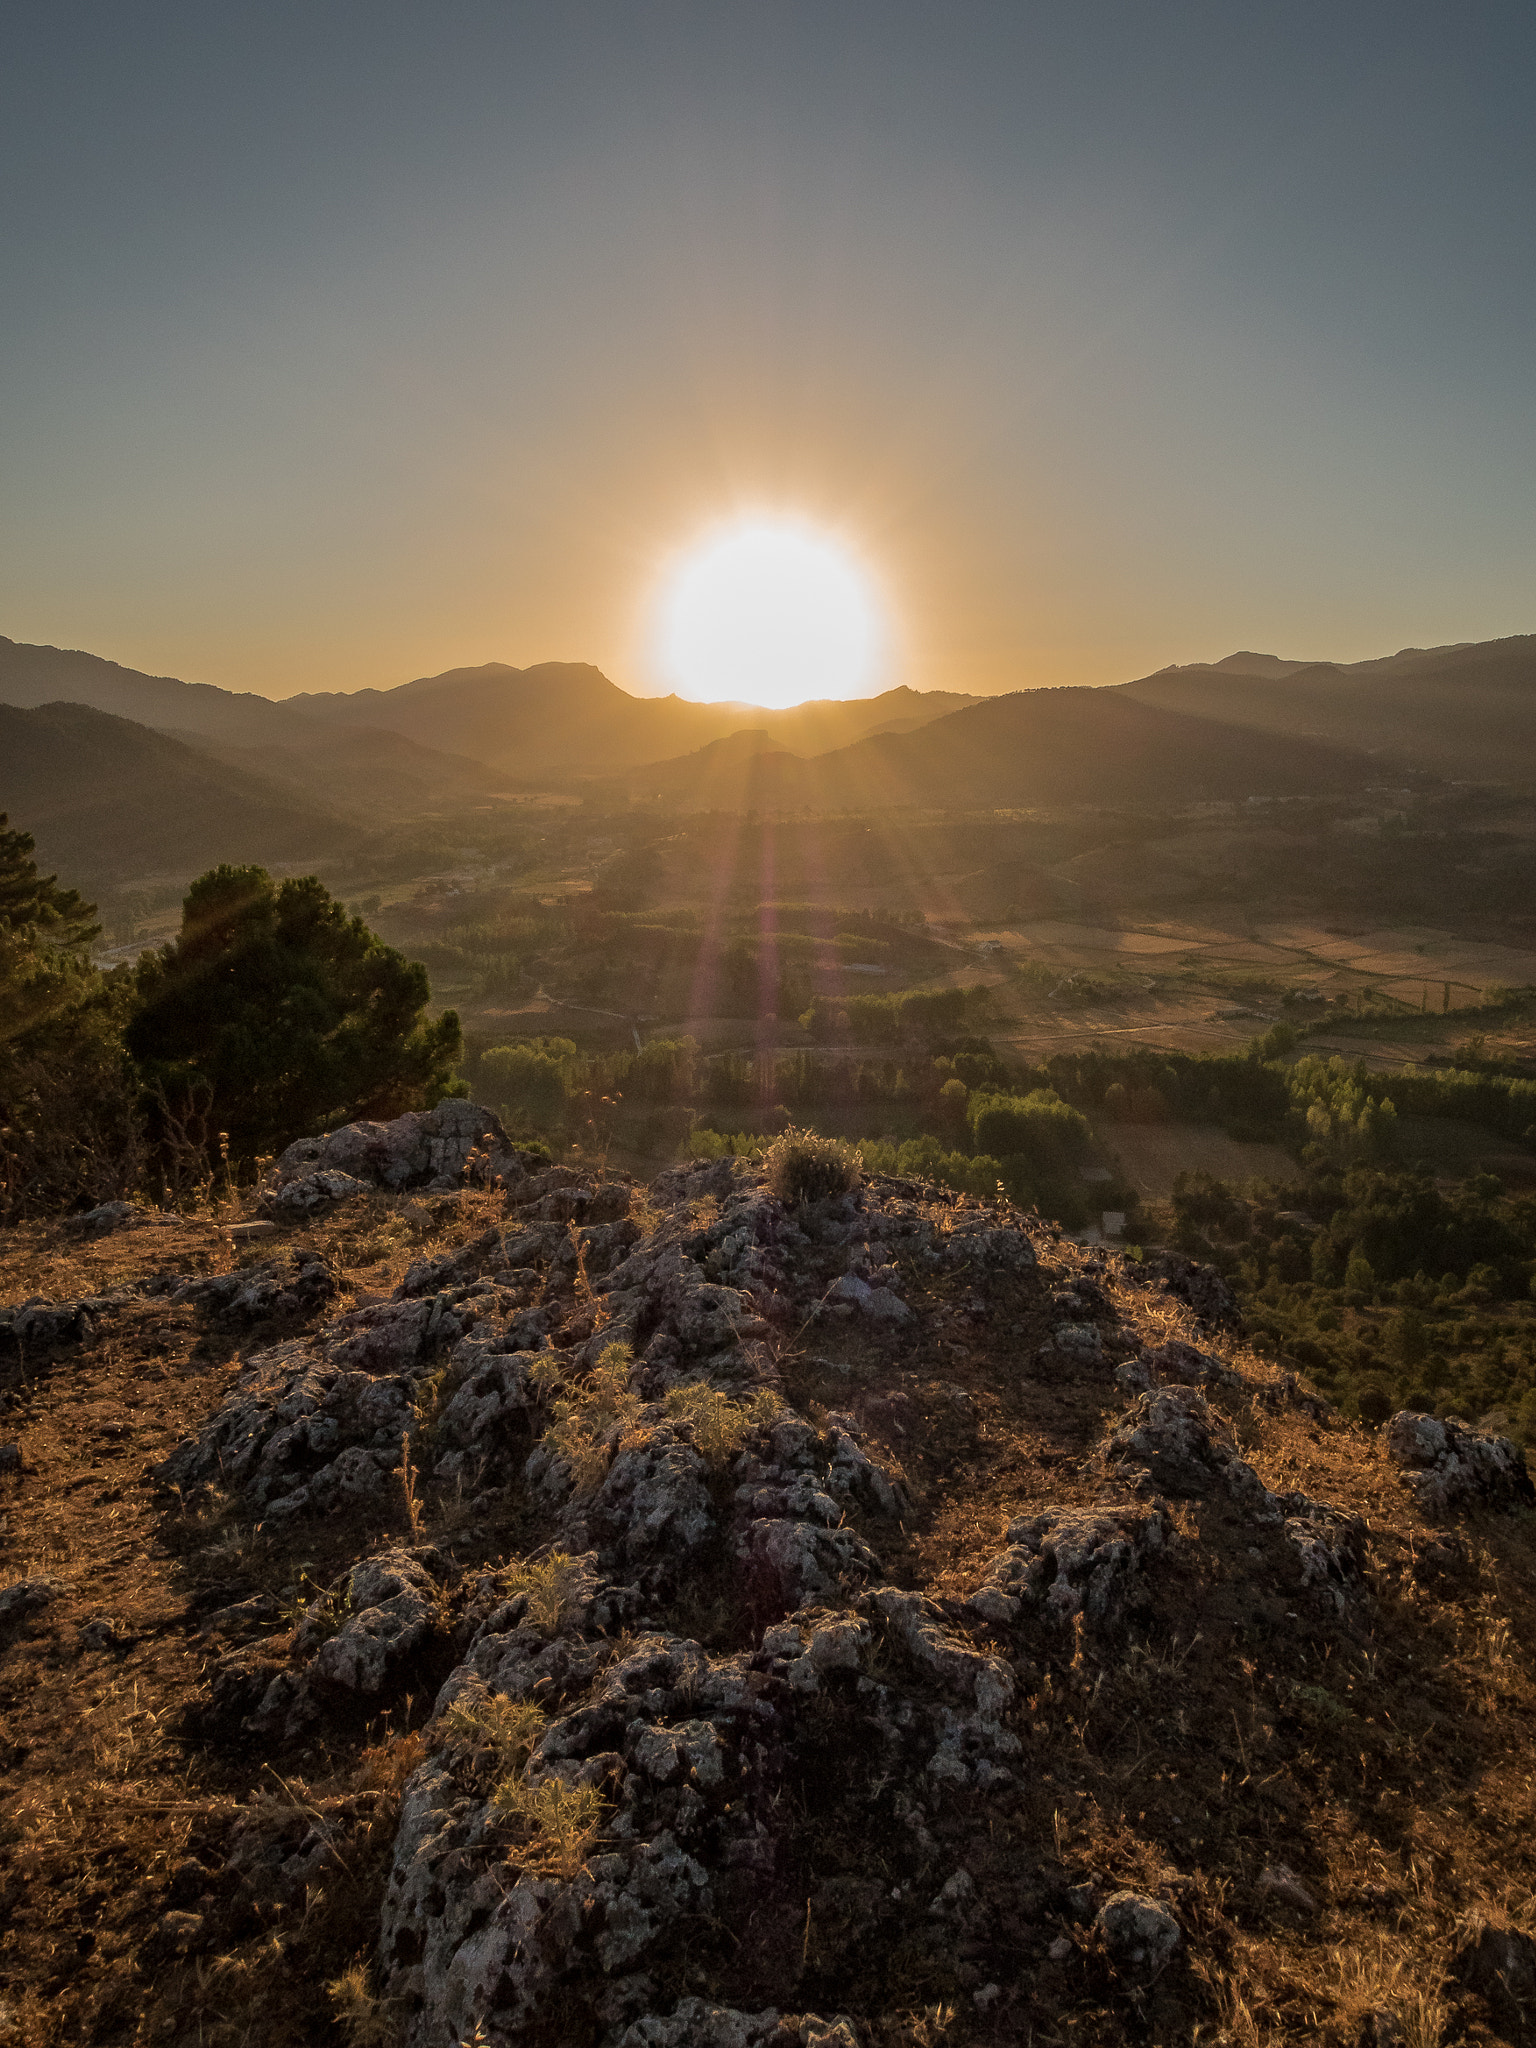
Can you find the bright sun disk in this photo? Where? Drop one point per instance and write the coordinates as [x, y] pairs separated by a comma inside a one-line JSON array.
[[770, 612]]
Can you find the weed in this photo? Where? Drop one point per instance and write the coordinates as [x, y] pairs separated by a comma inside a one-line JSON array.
[[363, 2017], [408, 1491], [548, 1585], [720, 1425], [558, 1822], [386, 1766], [805, 1167], [596, 1410], [494, 1725]]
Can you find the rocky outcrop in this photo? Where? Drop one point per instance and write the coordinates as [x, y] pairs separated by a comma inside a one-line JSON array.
[[39, 1325], [606, 1782], [427, 1148], [1447, 1466]]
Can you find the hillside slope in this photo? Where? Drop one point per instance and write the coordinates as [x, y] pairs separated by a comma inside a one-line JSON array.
[[30, 676], [1039, 749], [1467, 711], [1021, 1657], [110, 802]]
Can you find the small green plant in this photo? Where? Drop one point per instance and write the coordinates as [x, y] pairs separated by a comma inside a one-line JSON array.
[[805, 1167], [596, 1409], [720, 1425], [558, 1822]]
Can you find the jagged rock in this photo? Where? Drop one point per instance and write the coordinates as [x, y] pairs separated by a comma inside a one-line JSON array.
[[698, 2024], [1080, 1342], [1500, 1964], [28, 1596], [787, 1564], [1171, 1436], [391, 1602], [1201, 1287], [302, 1196], [917, 1625], [1138, 1934], [879, 1303], [109, 1217], [1070, 1561], [10, 1458], [425, 1148], [1447, 1466], [299, 1286], [39, 1324], [981, 1239]]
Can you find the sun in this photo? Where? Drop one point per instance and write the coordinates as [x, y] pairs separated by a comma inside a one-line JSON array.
[[770, 611]]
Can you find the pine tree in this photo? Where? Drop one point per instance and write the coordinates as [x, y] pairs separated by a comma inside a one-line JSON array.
[[275, 1015]]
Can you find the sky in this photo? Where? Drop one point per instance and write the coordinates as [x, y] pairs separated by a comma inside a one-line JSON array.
[[344, 344]]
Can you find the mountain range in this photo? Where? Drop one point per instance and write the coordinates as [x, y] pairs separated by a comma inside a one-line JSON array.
[[122, 774]]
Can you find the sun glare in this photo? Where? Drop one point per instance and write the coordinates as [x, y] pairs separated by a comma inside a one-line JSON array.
[[771, 612]]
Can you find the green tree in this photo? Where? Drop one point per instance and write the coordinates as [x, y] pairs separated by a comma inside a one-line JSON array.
[[527, 1084], [284, 1015], [68, 1127]]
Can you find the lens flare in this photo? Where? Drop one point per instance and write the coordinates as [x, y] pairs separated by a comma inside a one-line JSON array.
[[771, 612]]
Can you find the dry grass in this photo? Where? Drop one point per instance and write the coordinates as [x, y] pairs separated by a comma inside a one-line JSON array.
[[589, 1418]]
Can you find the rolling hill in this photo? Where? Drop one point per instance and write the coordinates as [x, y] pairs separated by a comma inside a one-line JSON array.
[[1037, 749], [1466, 711], [565, 718], [558, 718], [31, 676], [111, 803]]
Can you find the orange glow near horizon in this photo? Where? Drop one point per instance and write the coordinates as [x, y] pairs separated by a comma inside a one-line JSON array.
[[770, 611]]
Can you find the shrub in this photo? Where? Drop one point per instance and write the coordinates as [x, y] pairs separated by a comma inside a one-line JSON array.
[[527, 1082], [596, 1409], [805, 1167], [494, 1724], [1375, 1404], [557, 1821], [720, 1425], [548, 1585], [1042, 1128]]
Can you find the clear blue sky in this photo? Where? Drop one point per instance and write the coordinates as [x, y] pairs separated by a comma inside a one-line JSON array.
[[342, 343]]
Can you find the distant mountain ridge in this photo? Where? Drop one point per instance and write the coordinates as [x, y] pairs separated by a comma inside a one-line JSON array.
[[123, 775], [560, 718], [1467, 710], [1034, 749]]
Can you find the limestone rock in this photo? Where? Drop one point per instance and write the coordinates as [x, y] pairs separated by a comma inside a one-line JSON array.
[[424, 1148], [1448, 1466]]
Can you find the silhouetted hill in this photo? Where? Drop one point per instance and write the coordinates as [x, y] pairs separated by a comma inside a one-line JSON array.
[[567, 718], [111, 802], [1464, 711], [364, 771], [1038, 749], [30, 676]]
